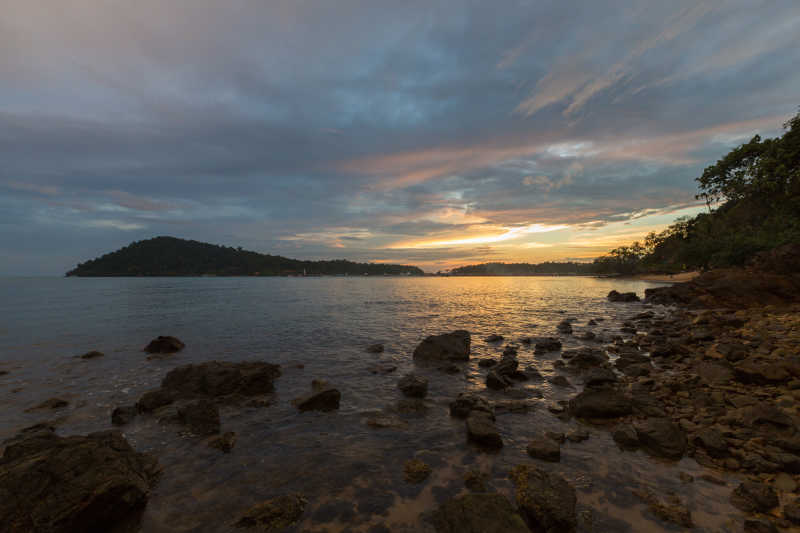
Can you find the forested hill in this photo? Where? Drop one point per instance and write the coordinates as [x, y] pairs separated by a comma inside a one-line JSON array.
[[523, 269], [169, 256]]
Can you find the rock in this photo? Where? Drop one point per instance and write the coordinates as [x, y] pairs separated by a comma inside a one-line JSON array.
[[671, 511], [752, 496], [759, 526], [275, 514], [545, 449], [486, 363], [599, 377], [560, 381], [415, 471], [216, 379], [578, 435], [753, 371], [591, 322], [600, 403], [556, 436], [784, 482], [510, 350], [661, 437], [164, 344], [123, 415], [413, 386], [533, 373], [449, 369], [494, 338], [711, 441], [546, 500], [411, 406], [468, 402], [475, 480], [79, 483], [91, 355], [453, 346], [478, 513], [585, 358], [374, 348], [546, 344], [323, 397], [791, 511], [615, 296], [51, 403], [564, 327], [201, 416], [224, 442], [588, 336], [626, 438], [495, 381], [152, 400], [386, 421], [482, 431]]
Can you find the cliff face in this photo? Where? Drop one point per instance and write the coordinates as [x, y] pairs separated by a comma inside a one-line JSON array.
[[169, 256]]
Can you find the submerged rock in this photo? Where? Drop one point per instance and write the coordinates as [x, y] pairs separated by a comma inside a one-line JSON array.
[[51, 403], [201, 416], [544, 448], [615, 296], [374, 348], [275, 514], [482, 431], [323, 397], [55, 484], [453, 346], [672, 510], [413, 386], [91, 355], [215, 379], [416, 471], [164, 344], [478, 513], [466, 402], [224, 442], [123, 415], [546, 500]]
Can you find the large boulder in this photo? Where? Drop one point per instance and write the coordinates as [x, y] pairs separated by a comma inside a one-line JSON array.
[[164, 344], [453, 346], [478, 513], [546, 500], [600, 403], [52, 484], [661, 437]]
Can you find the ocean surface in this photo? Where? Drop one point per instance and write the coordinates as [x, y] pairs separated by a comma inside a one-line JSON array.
[[350, 473]]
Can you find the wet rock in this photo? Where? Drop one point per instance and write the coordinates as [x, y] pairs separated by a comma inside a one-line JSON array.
[[752, 496], [637, 370], [754, 371], [164, 344], [533, 373], [672, 510], [79, 483], [560, 381], [449, 369], [486, 363], [467, 402], [152, 400], [374, 348], [217, 379], [411, 406], [759, 526], [323, 397], [661, 437], [413, 386], [578, 435], [626, 438], [496, 381], [588, 336], [600, 403], [415, 471], [453, 346], [482, 431], [599, 377], [123, 415], [510, 351], [494, 338], [201, 417], [547, 344], [712, 441], [546, 500], [386, 421], [224, 442], [91, 355], [275, 514], [585, 358], [564, 327], [51, 403], [615, 296], [475, 480], [544, 448], [478, 513]]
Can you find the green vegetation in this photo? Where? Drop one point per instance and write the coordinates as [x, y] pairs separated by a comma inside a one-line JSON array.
[[753, 199], [168, 256], [524, 269]]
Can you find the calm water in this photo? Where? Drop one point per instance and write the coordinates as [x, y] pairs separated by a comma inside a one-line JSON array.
[[350, 473]]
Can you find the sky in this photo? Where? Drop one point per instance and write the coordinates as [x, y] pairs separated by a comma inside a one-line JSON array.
[[419, 132]]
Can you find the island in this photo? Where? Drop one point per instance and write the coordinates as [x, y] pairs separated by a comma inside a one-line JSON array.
[[170, 256]]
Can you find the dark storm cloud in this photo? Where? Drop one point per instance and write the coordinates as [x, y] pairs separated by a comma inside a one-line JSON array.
[[356, 129]]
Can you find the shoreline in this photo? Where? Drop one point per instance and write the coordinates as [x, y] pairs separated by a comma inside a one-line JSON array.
[[664, 278]]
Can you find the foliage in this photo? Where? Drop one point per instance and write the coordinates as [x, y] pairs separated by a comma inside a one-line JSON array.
[[168, 256], [523, 269]]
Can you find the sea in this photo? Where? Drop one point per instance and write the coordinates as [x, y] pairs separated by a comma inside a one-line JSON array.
[[350, 473]]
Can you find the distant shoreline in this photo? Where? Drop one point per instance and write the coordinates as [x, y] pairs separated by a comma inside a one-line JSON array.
[[664, 278]]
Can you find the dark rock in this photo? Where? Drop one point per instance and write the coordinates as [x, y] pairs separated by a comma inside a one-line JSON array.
[[759, 526], [577, 435], [91, 355], [600, 403], [496, 381], [753, 371], [626, 438], [215, 379], [510, 350], [564, 327], [791, 511], [323, 397], [615, 296], [599, 377], [276, 514], [533, 373], [374, 348], [661, 437], [637, 369], [123, 415], [547, 344], [449, 369], [79, 483], [546, 500], [224, 442], [164, 344], [752, 496], [453, 346], [588, 336], [673, 510], [51, 403], [545, 449], [494, 338], [413, 386], [468, 402], [485, 363], [482, 431], [591, 322], [152, 400], [711, 441], [585, 358], [411, 406], [201, 416], [416, 471], [560, 381], [478, 513], [475, 481]]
